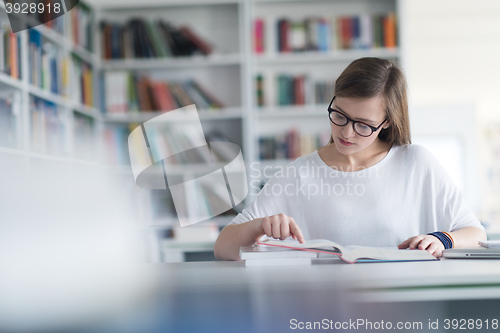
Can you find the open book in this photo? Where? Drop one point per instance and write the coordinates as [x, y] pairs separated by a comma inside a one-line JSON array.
[[353, 253]]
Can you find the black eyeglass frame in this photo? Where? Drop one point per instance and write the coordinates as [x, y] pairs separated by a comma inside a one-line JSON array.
[[374, 129]]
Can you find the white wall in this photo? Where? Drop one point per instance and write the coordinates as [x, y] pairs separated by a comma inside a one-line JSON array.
[[452, 57]]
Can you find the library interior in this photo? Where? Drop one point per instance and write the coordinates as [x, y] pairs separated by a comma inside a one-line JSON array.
[[133, 132]]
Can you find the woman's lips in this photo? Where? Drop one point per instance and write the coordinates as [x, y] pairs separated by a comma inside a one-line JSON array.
[[345, 143]]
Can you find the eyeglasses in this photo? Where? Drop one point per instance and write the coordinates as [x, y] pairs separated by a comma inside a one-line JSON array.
[[340, 119]]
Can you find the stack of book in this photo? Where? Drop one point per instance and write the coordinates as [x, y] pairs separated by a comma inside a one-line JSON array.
[[323, 34], [139, 38], [275, 256], [126, 92], [291, 89], [47, 64], [294, 90]]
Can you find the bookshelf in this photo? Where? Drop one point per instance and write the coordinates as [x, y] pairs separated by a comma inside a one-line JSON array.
[[44, 88], [222, 73], [298, 49]]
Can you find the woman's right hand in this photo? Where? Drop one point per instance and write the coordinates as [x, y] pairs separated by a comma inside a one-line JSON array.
[[279, 226]]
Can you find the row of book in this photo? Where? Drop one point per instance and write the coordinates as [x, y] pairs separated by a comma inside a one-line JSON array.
[[51, 17], [127, 92], [47, 127], [290, 145], [75, 25], [46, 64], [52, 70], [81, 26], [8, 122], [163, 141], [82, 82], [363, 31], [140, 38], [10, 51], [293, 90]]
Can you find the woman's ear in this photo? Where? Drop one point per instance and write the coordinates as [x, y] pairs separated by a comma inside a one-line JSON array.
[[387, 124]]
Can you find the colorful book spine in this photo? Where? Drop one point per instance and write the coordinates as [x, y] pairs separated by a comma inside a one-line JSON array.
[[259, 35], [126, 92], [80, 26], [139, 38], [290, 145], [363, 31]]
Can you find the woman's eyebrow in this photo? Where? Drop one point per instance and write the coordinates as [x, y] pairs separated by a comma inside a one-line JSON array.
[[361, 119]]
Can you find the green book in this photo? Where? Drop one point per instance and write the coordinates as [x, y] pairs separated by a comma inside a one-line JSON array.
[[158, 45]]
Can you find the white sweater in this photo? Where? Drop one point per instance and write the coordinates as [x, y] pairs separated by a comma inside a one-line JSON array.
[[406, 194]]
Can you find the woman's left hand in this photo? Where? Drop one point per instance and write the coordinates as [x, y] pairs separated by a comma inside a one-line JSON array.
[[424, 242]]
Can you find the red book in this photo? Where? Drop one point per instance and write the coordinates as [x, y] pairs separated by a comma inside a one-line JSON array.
[[13, 55], [299, 88], [284, 35], [142, 95], [259, 35], [202, 45], [346, 32], [159, 92], [169, 98]]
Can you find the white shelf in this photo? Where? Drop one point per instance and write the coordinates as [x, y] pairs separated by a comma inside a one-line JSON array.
[[86, 110], [311, 57], [292, 111], [82, 53], [63, 101], [182, 169], [9, 81], [66, 43], [48, 96], [130, 5], [44, 156], [143, 116], [173, 62]]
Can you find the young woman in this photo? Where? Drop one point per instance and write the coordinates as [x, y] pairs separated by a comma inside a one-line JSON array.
[[369, 186]]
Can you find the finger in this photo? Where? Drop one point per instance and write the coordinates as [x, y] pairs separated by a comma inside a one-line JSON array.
[[266, 226], [433, 249], [275, 226], [424, 244], [285, 229], [414, 242], [294, 228], [405, 244]]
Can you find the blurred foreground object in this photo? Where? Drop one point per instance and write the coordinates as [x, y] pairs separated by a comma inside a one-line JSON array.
[[69, 252]]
